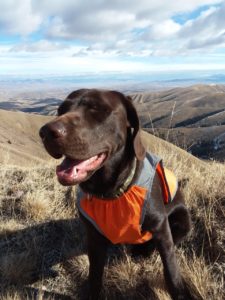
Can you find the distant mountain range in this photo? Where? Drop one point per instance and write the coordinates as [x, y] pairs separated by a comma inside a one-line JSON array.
[[125, 82], [191, 117]]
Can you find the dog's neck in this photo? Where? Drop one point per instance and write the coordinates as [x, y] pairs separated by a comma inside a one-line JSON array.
[[115, 176]]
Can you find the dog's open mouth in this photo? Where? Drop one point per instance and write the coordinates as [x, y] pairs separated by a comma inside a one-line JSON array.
[[72, 171]]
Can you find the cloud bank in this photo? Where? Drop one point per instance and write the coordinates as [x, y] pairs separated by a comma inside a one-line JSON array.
[[139, 32]]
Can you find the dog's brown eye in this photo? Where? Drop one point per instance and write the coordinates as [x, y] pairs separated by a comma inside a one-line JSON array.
[[94, 107], [85, 103], [89, 105], [82, 102], [64, 107]]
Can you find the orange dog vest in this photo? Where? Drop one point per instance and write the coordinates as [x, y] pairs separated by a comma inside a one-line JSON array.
[[120, 219]]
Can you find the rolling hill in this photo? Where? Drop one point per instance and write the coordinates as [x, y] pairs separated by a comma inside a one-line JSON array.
[[190, 117], [19, 140]]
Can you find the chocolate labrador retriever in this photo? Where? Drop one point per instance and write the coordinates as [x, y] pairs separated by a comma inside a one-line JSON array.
[[98, 134]]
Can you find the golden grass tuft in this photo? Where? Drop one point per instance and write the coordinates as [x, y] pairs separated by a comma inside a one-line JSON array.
[[199, 275], [36, 207]]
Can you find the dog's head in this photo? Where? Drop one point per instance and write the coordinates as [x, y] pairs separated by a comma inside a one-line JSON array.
[[91, 127]]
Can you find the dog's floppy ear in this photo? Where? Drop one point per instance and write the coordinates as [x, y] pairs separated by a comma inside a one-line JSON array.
[[133, 122]]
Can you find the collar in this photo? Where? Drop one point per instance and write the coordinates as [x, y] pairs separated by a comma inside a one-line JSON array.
[[122, 189], [128, 181]]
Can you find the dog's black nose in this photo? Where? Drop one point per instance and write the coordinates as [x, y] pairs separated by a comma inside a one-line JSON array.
[[52, 130]]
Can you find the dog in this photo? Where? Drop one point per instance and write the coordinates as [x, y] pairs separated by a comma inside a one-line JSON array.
[[98, 134]]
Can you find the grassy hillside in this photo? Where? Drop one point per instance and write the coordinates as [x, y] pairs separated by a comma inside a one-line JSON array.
[[42, 244], [19, 140]]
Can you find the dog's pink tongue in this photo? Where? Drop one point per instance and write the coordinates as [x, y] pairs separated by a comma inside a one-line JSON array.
[[74, 171]]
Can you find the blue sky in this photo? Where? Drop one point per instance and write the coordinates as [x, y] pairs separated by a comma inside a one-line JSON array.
[[52, 37]]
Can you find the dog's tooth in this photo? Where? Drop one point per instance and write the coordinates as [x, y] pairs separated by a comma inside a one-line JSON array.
[[75, 172]]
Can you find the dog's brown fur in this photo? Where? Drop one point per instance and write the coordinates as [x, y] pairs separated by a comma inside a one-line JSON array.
[[93, 121]]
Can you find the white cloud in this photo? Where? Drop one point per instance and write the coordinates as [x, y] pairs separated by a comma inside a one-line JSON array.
[[113, 20], [163, 30], [18, 17], [207, 31], [90, 19], [39, 46]]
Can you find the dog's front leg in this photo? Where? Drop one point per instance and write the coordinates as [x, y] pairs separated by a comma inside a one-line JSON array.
[[97, 250], [97, 257], [165, 246]]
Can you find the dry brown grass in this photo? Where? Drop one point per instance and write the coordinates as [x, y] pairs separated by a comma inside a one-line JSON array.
[[43, 253]]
